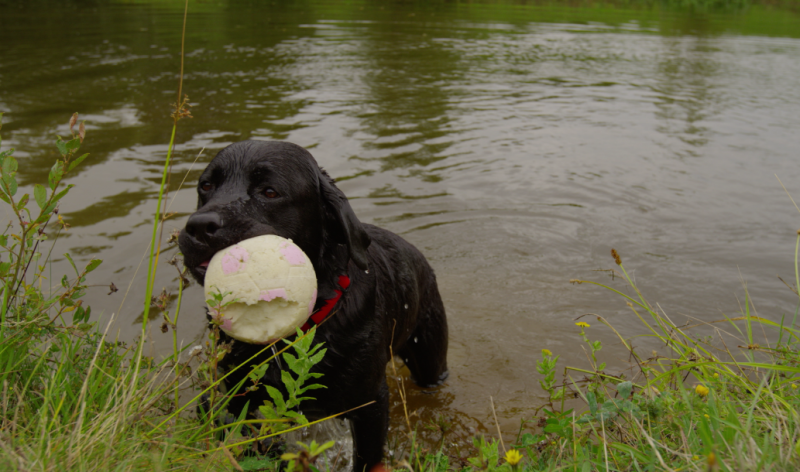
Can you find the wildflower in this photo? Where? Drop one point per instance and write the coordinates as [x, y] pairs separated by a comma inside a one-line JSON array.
[[513, 457], [582, 324], [63, 223], [694, 458], [794, 386], [546, 352], [706, 415], [716, 375], [701, 390]]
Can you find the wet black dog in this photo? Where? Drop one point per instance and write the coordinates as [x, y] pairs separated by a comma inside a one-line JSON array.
[[254, 188]]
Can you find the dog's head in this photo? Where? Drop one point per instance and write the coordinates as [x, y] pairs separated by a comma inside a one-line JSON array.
[[253, 188]]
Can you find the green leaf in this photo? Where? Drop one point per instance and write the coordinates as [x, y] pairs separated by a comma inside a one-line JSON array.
[[277, 399], [641, 457], [65, 282], [40, 194], [553, 428], [6, 153], [9, 165], [291, 361], [77, 161], [93, 265], [318, 357], [3, 196], [592, 400], [23, 201], [299, 417], [320, 449], [4, 267], [287, 379], [61, 145], [60, 194], [56, 172], [72, 144], [624, 389], [258, 372], [310, 387], [255, 463], [268, 411], [69, 258], [77, 316], [10, 184]]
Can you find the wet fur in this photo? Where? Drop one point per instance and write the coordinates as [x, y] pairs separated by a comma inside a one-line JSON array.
[[393, 299]]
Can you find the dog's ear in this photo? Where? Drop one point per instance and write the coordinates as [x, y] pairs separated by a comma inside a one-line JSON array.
[[348, 229]]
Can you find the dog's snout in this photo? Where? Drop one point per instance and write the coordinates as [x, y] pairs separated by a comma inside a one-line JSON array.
[[203, 225]]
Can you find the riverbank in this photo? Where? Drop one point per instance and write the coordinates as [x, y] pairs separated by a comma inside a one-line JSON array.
[[514, 145]]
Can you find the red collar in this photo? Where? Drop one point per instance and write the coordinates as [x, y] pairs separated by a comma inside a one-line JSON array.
[[325, 310]]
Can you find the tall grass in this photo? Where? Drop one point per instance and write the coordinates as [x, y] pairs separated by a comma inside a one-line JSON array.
[[721, 401], [72, 399]]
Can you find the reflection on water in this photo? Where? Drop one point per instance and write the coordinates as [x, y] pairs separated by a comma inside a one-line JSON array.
[[513, 145]]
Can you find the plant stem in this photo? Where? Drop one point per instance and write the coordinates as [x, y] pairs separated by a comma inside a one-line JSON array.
[[175, 339], [153, 262]]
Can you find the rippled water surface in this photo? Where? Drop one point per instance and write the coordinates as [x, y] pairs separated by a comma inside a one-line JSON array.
[[515, 146]]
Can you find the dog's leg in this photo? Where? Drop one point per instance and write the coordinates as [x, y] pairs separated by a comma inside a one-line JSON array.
[[425, 351], [370, 426]]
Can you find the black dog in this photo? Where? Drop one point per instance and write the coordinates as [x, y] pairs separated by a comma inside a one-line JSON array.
[[388, 296]]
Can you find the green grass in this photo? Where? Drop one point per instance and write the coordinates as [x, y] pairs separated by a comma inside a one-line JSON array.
[[72, 399], [725, 402]]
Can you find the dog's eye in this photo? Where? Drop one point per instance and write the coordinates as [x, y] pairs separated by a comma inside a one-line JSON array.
[[270, 193], [206, 186]]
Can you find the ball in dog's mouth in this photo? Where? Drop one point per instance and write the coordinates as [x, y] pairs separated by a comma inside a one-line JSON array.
[[260, 289]]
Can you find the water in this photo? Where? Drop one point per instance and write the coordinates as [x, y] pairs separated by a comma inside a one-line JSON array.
[[514, 145]]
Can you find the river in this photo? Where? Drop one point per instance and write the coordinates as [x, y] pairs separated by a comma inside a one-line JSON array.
[[515, 144]]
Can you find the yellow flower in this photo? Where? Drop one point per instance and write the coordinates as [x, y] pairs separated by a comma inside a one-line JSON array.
[[701, 390], [716, 375], [794, 386], [513, 457], [694, 458], [546, 352], [582, 324], [706, 416]]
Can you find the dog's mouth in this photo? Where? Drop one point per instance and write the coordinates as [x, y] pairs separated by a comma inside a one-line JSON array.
[[202, 267], [198, 253]]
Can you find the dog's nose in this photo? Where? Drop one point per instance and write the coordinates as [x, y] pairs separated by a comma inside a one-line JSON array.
[[203, 225]]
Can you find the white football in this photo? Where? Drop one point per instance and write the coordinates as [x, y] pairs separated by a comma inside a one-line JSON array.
[[269, 288]]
